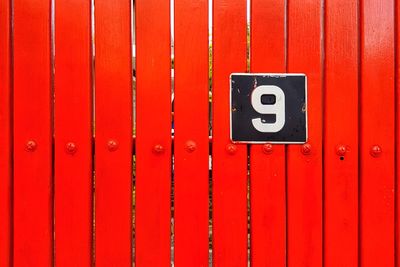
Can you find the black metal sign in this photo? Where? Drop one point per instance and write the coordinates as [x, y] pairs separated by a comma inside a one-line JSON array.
[[268, 108]]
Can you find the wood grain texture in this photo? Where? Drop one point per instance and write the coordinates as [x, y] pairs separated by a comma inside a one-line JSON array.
[[229, 161], [73, 134], [304, 171], [341, 130], [267, 170], [153, 133], [191, 133], [5, 134], [377, 129], [113, 122], [33, 183]]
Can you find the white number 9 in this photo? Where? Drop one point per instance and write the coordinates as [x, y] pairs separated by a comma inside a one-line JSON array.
[[278, 108]]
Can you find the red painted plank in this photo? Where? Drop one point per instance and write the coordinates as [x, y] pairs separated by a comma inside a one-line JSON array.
[[267, 168], [377, 132], [341, 133], [33, 216], [397, 182], [229, 160], [153, 133], [5, 134], [304, 168], [113, 129], [191, 135], [73, 134]]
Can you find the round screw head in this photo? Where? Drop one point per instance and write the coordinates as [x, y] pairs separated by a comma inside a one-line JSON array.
[[112, 145], [190, 146], [30, 146], [341, 150], [267, 148], [306, 149], [158, 149], [375, 151], [71, 148], [231, 149]]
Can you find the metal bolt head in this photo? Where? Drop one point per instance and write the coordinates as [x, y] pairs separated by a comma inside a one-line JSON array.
[[306, 149], [231, 149], [30, 146], [341, 150], [70, 147], [112, 145], [267, 148], [376, 151], [158, 149], [190, 146]]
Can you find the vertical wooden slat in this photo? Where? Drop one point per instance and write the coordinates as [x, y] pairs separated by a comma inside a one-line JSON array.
[[5, 134], [113, 128], [341, 133], [73, 148], [267, 168], [153, 130], [397, 169], [229, 160], [191, 134], [377, 133], [33, 216], [304, 168]]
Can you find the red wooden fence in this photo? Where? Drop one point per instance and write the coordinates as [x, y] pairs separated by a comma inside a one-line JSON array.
[[84, 184]]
